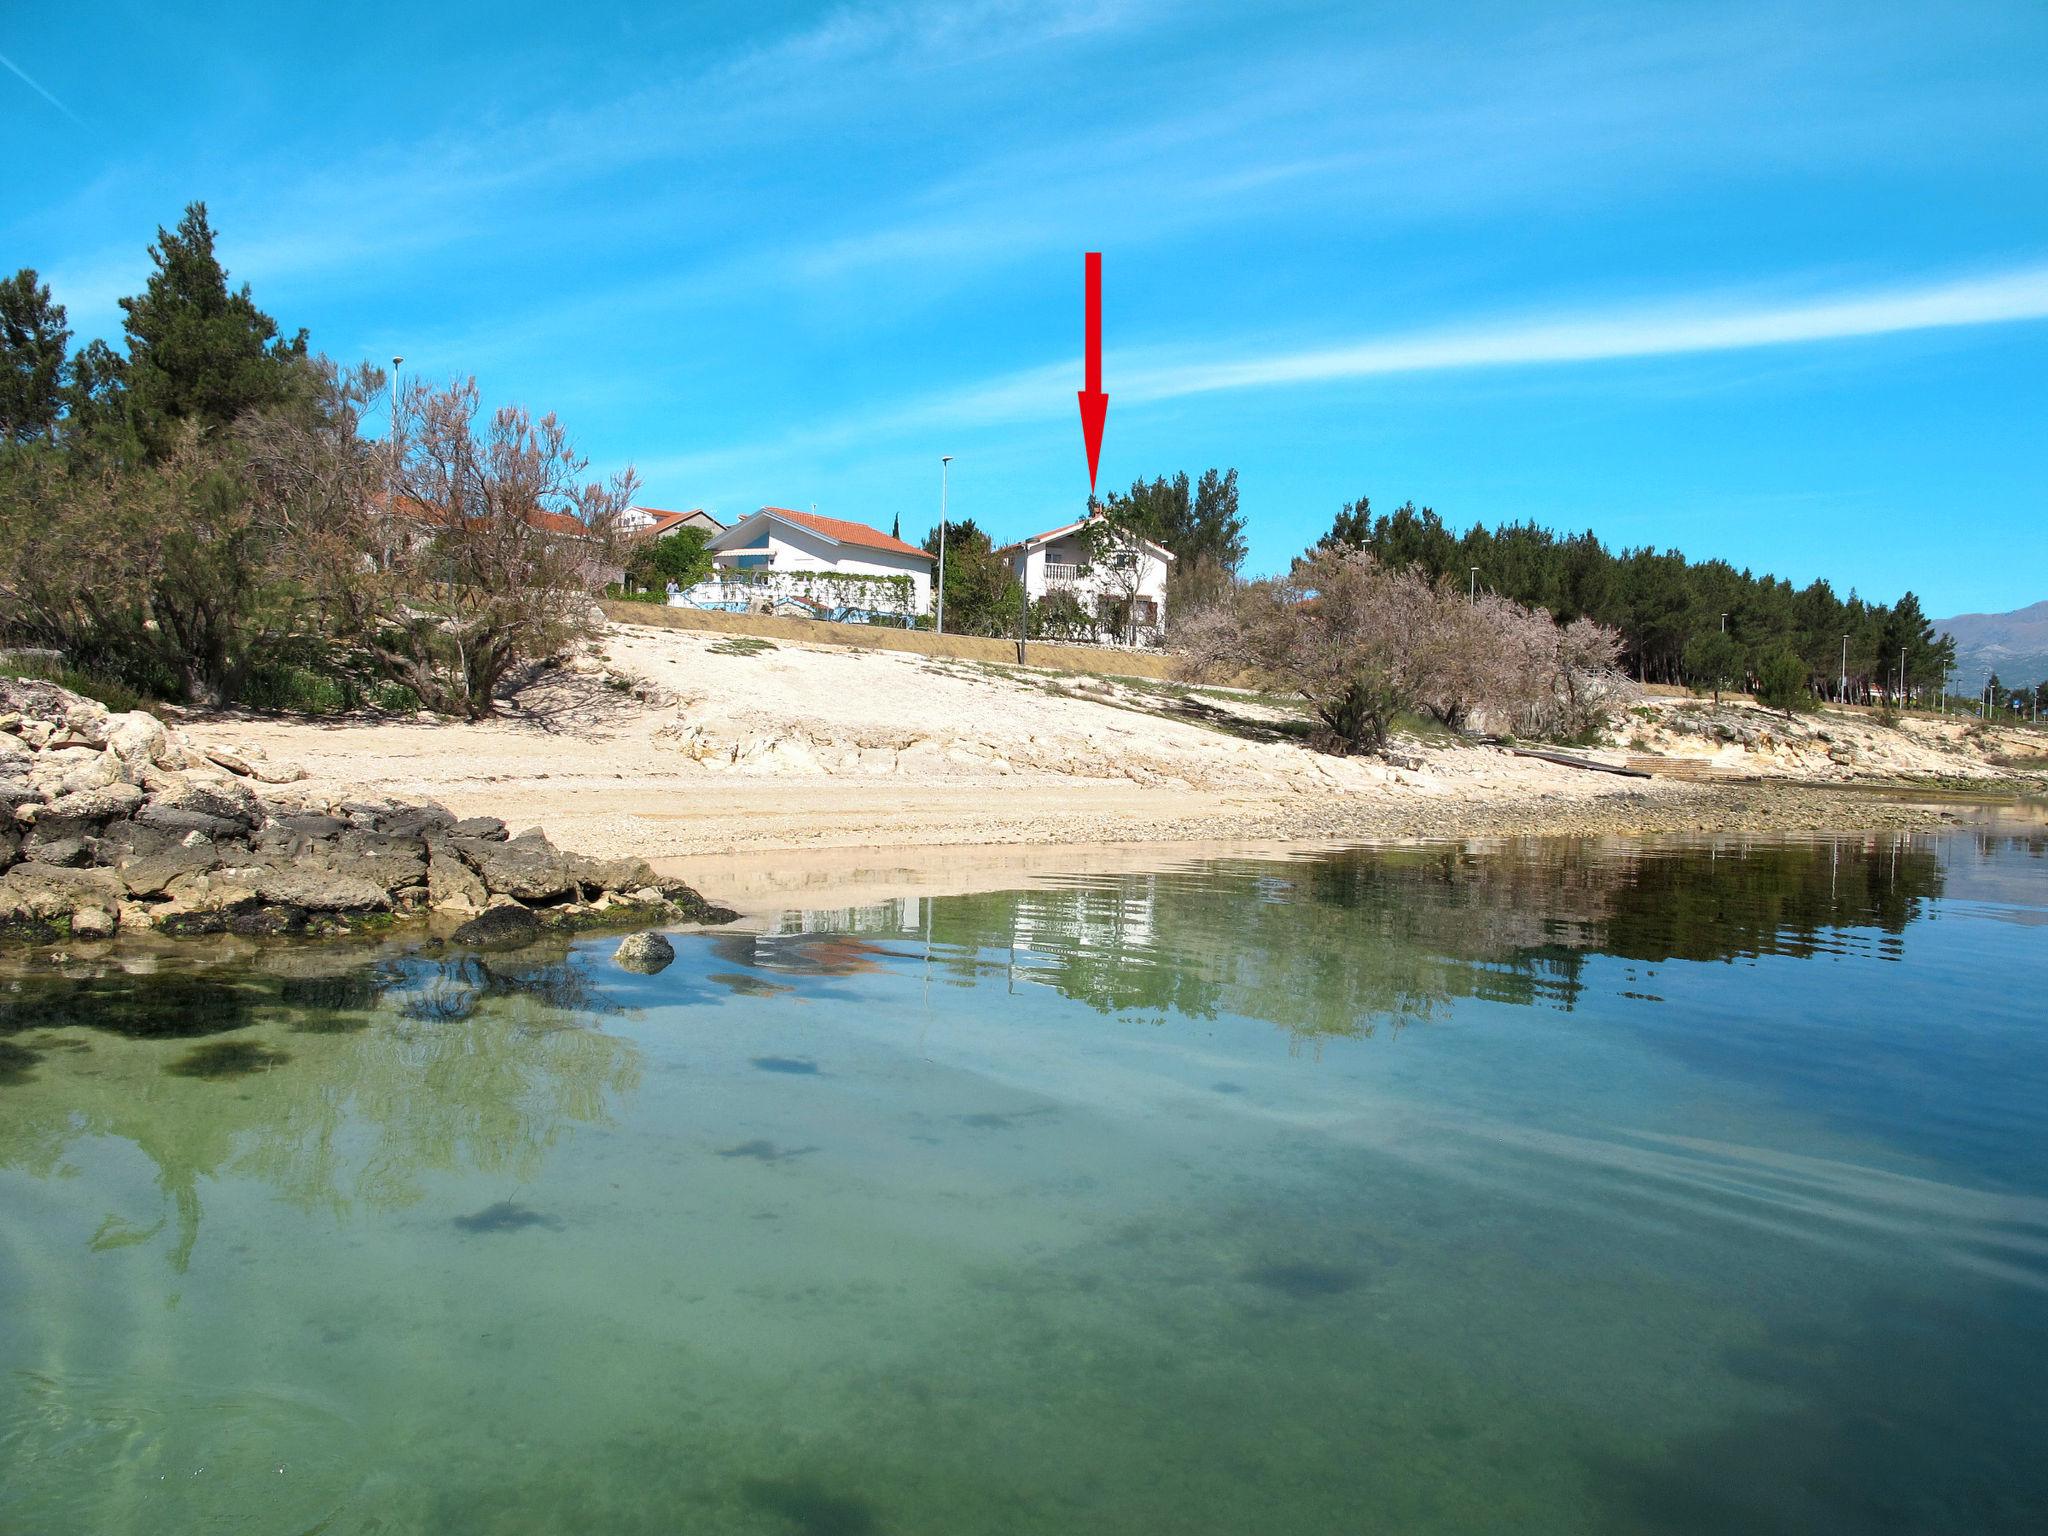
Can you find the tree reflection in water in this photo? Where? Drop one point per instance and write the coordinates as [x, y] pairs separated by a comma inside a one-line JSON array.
[[477, 1066], [1335, 946]]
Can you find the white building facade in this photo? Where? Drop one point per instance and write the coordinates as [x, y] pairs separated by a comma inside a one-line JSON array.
[[1120, 587], [782, 560]]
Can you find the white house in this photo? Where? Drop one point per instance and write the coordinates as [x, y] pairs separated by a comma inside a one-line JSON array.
[[1104, 580], [778, 559]]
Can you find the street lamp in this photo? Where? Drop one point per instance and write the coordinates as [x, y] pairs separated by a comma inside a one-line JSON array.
[[1842, 695], [1724, 623], [939, 621], [1472, 587]]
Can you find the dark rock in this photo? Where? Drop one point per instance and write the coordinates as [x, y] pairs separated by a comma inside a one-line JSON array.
[[148, 859], [690, 907], [414, 821], [489, 828], [58, 840], [247, 915], [313, 828], [646, 953], [178, 820], [506, 927]]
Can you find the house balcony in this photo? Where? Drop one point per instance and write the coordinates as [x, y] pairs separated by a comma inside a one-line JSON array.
[[1063, 574]]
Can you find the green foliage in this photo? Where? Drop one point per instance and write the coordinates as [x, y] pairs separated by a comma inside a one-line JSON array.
[[983, 594], [33, 337], [740, 645], [1714, 661], [198, 351], [1658, 600], [1198, 522], [1781, 682], [678, 557], [116, 695]]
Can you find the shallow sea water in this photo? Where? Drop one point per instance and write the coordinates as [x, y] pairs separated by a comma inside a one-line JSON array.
[[1536, 1187]]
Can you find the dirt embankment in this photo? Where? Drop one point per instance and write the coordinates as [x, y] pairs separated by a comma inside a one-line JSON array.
[[663, 743]]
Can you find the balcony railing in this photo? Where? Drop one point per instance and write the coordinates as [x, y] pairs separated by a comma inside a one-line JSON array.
[[1060, 573]]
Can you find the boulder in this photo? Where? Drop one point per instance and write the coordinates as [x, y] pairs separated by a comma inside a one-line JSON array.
[[527, 867], [646, 953], [137, 739], [509, 926], [58, 840], [94, 923], [320, 890], [389, 862], [147, 860], [93, 805], [36, 898], [451, 883], [489, 828]]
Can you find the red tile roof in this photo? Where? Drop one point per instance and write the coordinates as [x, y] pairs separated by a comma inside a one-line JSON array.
[[847, 532], [664, 522]]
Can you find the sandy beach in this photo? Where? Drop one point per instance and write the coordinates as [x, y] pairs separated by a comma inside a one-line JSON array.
[[678, 746]]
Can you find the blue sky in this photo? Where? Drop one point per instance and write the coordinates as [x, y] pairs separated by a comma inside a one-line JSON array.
[[1768, 282]]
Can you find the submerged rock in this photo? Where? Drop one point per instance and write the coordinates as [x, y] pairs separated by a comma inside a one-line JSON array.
[[646, 953], [510, 926]]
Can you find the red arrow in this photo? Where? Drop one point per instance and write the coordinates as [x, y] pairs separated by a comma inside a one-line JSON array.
[[1094, 403]]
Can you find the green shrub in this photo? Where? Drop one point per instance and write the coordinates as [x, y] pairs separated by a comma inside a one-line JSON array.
[[289, 688], [116, 695]]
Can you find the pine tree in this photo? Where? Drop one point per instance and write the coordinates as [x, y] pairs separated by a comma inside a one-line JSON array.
[[196, 350], [32, 371]]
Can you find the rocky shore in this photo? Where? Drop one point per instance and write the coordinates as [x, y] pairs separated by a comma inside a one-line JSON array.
[[114, 822]]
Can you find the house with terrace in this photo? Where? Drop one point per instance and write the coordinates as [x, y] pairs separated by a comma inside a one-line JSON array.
[[1110, 584], [779, 560]]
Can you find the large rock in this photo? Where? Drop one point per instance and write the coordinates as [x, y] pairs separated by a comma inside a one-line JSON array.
[[137, 739], [320, 890], [38, 898], [148, 860], [102, 804], [527, 867], [451, 883], [389, 861]]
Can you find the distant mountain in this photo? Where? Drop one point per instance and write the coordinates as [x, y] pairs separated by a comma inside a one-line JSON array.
[[2014, 645]]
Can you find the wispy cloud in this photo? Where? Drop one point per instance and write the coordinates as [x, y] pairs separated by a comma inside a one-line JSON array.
[[1674, 328], [1668, 329], [21, 74]]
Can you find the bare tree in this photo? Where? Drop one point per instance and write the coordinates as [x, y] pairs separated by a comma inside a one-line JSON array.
[[465, 549], [1349, 636], [1360, 642]]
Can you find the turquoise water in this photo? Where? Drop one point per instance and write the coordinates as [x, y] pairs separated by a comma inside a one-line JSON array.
[[1541, 1187]]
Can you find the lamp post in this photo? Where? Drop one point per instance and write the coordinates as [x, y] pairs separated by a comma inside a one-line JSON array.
[[939, 622], [1472, 587], [1724, 623], [1843, 694]]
